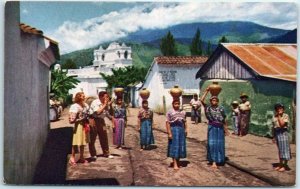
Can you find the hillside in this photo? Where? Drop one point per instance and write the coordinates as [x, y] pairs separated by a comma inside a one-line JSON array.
[[142, 55], [235, 31], [289, 37], [81, 58]]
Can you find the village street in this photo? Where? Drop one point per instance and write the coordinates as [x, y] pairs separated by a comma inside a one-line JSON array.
[[249, 161]]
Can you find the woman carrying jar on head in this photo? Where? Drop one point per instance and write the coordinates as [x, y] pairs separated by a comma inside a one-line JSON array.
[[217, 129], [177, 131], [119, 120]]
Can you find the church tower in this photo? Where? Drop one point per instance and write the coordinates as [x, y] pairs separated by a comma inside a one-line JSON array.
[[115, 56]]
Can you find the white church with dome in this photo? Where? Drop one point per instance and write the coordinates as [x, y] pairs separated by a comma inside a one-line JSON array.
[[91, 82]]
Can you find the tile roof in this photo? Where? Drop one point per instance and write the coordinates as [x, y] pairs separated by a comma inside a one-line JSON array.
[[53, 44], [31, 30], [180, 59], [269, 60], [28, 29]]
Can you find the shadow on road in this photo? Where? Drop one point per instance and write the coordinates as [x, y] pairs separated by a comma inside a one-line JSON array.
[[90, 182], [182, 163], [151, 147], [51, 168], [278, 164]]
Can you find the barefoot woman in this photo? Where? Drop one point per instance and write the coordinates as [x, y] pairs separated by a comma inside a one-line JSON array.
[[281, 136], [217, 128], [177, 131]]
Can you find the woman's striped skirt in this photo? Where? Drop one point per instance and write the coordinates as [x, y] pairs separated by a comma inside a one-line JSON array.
[[282, 140], [118, 135], [177, 145], [146, 137], [244, 122], [215, 144]]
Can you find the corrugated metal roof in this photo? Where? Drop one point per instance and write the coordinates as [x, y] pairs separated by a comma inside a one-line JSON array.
[[180, 59], [269, 60]]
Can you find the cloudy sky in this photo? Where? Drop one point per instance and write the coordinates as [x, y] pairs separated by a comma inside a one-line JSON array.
[[79, 25]]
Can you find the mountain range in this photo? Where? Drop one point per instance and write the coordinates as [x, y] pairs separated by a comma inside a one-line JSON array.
[[236, 31], [145, 43]]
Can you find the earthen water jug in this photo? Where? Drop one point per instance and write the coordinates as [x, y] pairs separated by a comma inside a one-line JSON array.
[[119, 91], [144, 94], [176, 92], [215, 89]]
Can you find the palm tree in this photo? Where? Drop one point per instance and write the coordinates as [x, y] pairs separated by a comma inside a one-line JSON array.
[[61, 83]]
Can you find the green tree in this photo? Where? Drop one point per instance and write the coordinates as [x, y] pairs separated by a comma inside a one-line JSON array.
[[69, 64], [91, 63], [208, 49], [223, 40], [168, 46], [196, 46], [123, 77], [126, 78], [61, 83]]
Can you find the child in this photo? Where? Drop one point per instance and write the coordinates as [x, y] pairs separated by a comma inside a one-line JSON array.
[[235, 117], [196, 109], [119, 123], [145, 120], [177, 131], [244, 116], [280, 135]]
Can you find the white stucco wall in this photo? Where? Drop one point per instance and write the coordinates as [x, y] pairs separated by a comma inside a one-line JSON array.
[[26, 105], [90, 86], [114, 54], [90, 80], [163, 77]]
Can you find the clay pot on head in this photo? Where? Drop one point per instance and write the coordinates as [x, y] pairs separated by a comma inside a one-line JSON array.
[[176, 92], [215, 89], [119, 91], [144, 94]]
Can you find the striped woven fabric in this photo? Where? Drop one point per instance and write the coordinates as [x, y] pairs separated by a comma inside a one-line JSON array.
[[118, 135], [146, 137], [216, 144], [177, 146], [282, 139]]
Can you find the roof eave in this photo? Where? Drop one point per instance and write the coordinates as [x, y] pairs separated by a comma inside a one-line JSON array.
[[277, 78]]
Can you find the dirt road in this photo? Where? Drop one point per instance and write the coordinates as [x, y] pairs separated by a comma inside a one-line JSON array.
[[152, 168]]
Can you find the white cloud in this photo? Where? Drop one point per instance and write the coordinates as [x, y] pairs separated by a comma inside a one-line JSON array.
[[74, 36], [25, 11]]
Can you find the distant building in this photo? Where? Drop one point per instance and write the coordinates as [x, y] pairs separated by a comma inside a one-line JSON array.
[[91, 82], [167, 71], [28, 57], [266, 72]]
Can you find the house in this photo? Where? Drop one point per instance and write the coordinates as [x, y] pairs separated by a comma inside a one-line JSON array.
[[266, 72], [91, 82], [167, 71], [28, 57]]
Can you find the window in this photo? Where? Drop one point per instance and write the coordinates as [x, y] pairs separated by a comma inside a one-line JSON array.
[[168, 76], [102, 57], [125, 54]]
